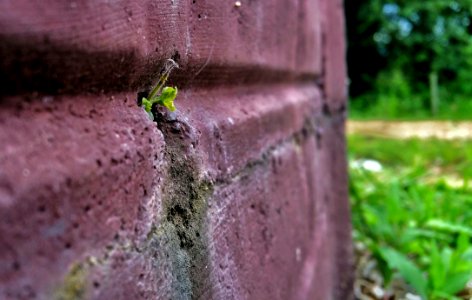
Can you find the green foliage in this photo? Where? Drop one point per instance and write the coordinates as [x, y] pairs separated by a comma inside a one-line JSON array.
[[166, 99], [454, 156], [398, 45], [384, 101], [374, 106], [73, 286], [408, 270], [161, 95], [412, 218]]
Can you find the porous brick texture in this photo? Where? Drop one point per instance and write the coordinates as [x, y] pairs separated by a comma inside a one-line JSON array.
[[241, 193]]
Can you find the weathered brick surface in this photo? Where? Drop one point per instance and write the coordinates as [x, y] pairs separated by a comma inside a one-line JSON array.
[[75, 174], [239, 194], [335, 80], [232, 135], [72, 46]]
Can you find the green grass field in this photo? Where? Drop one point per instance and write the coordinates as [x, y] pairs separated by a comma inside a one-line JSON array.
[[395, 109], [412, 216]]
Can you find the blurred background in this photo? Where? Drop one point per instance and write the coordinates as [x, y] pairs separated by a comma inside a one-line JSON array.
[[410, 147]]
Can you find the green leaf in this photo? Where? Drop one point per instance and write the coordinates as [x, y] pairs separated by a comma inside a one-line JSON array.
[[407, 269], [167, 97], [456, 282], [438, 224], [439, 266], [146, 104], [382, 264]]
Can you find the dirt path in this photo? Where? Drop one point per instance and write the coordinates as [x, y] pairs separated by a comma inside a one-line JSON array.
[[420, 129]]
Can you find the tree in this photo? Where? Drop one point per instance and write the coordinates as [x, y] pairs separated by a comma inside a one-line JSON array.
[[428, 40]]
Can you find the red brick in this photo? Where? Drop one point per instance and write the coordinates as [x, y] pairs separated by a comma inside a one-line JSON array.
[[76, 173], [116, 45], [239, 194], [335, 74], [229, 136], [278, 230]]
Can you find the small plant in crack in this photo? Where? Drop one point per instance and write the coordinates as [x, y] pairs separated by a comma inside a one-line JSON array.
[[161, 94]]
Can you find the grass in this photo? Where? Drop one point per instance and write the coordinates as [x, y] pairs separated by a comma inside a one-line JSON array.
[[392, 109], [412, 214], [452, 157]]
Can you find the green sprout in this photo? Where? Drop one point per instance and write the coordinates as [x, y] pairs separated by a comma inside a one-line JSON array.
[[160, 94]]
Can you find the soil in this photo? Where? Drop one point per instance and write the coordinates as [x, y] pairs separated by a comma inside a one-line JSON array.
[[418, 129]]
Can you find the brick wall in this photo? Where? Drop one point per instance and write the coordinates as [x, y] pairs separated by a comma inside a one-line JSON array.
[[239, 194]]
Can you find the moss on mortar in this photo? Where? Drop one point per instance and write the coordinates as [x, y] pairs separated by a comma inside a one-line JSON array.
[[182, 231], [73, 285], [185, 203]]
